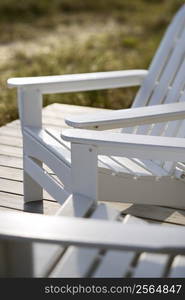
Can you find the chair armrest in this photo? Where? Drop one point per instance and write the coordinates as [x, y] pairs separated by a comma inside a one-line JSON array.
[[129, 145], [128, 117], [80, 82], [83, 232]]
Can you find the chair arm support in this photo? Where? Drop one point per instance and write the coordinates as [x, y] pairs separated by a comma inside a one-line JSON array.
[[80, 82], [83, 232], [129, 145], [129, 117]]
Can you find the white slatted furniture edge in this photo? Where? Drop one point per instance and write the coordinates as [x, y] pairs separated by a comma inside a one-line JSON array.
[[18, 231]]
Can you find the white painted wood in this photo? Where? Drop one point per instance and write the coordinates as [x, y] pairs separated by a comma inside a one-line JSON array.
[[152, 167], [30, 110], [178, 267], [136, 191], [84, 171], [48, 142], [159, 63], [114, 164], [48, 227], [77, 262], [146, 190], [174, 93], [30, 107], [80, 82], [161, 57], [118, 165], [118, 144], [129, 117], [57, 160], [171, 68], [132, 166], [39, 175], [141, 190], [151, 265], [45, 256], [117, 263], [83, 232]]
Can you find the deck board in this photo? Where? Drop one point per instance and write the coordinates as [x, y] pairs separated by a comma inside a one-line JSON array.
[[11, 186]]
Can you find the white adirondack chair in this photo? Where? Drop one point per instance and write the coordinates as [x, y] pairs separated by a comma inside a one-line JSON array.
[[157, 103], [53, 246]]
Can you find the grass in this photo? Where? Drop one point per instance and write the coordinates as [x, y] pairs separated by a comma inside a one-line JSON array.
[[46, 37]]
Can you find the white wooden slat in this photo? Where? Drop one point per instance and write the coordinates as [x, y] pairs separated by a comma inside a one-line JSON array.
[[80, 82], [84, 171], [108, 165], [30, 107], [175, 129], [129, 117], [38, 150], [56, 134], [159, 61], [49, 183], [151, 265], [47, 255], [178, 267], [83, 232], [132, 166], [114, 264], [170, 72], [50, 143], [167, 76], [175, 94], [76, 262], [117, 263], [151, 166]]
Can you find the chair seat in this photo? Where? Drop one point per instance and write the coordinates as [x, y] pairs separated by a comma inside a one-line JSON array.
[[112, 164]]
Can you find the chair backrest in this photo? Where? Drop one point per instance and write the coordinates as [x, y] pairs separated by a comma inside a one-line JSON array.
[[165, 82]]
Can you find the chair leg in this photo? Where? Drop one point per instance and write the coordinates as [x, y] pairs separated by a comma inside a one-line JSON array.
[[32, 190]]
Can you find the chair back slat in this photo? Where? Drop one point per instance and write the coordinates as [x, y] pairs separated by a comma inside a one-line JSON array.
[[165, 83], [163, 70]]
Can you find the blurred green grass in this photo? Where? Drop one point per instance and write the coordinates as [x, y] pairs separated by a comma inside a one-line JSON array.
[[44, 37]]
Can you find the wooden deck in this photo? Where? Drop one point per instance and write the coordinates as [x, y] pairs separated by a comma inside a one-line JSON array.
[[11, 187]]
